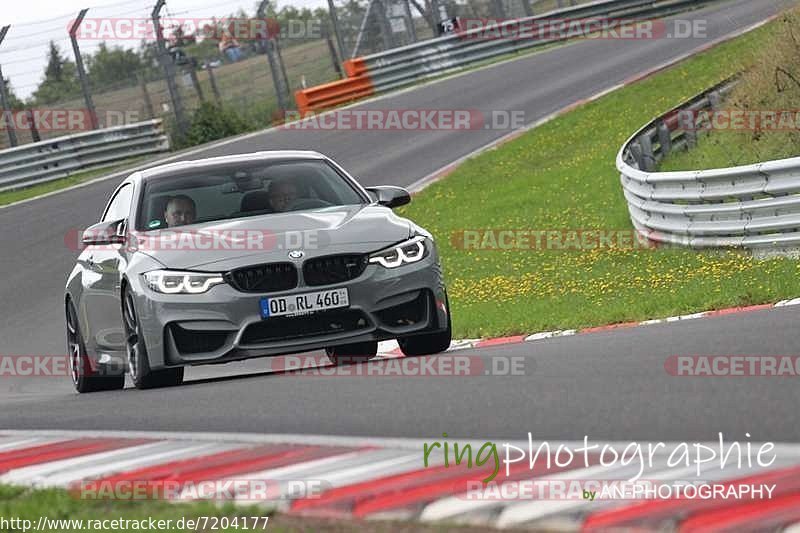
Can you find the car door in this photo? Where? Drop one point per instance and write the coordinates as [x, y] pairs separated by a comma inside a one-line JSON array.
[[104, 265]]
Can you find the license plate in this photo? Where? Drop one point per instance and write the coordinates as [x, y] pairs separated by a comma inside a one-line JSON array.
[[300, 304]]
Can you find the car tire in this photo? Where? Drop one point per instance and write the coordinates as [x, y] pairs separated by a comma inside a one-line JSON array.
[[428, 343], [79, 365], [359, 352], [138, 363]]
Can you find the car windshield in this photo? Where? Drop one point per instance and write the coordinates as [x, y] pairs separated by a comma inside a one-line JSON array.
[[242, 190]]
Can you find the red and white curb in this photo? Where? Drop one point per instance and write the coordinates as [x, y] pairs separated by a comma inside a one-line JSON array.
[[373, 478], [390, 349]]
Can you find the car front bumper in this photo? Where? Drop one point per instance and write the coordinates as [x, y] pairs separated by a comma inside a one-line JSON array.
[[225, 325]]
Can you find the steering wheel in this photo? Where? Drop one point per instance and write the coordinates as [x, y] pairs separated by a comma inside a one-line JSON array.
[[307, 203]]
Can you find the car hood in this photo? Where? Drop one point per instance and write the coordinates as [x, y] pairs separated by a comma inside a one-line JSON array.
[[223, 245]]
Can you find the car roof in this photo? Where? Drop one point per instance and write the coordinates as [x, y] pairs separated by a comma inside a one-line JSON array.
[[271, 155]]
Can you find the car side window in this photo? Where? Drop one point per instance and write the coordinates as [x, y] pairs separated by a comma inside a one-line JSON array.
[[120, 205]]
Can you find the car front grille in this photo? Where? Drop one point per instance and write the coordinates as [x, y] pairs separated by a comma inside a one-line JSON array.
[[286, 328], [332, 269], [271, 277]]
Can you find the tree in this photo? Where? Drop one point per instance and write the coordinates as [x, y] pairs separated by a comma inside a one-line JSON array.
[[13, 102], [111, 65], [60, 79]]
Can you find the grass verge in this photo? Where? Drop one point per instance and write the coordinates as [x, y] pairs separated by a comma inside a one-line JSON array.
[[59, 505], [17, 195], [561, 176], [771, 85]]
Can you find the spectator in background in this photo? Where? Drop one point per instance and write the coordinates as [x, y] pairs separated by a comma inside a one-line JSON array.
[[229, 47]]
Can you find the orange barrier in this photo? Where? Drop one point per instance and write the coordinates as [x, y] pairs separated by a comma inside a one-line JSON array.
[[356, 85], [355, 67]]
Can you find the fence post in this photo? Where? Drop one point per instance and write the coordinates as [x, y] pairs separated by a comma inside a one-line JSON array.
[[336, 31], [499, 9], [4, 100], [411, 27], [169, 70], [148, 103], [279, 55], [277, 82], [386, 28], [361, 29], [526, 6], [212, 79], [34, 130], [636, 152], [715, 100], [87, 94], [196, 82], [664, 138], [648, 158], [332, 50]]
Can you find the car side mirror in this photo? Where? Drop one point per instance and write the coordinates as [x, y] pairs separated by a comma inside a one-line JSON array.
[[105, 233], [390, 196]]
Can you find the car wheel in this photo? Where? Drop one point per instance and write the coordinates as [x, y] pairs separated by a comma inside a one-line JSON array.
[[359, 352], [428, 343], [79, 366], [138, 362]]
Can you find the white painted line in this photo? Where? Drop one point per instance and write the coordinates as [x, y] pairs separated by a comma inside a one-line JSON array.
[[694, 316], [19, 443], [541, 336], [462, 344]]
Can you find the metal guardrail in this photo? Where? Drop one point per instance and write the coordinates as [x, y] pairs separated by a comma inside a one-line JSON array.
[[752, 206], [57, 158], [402, 66]]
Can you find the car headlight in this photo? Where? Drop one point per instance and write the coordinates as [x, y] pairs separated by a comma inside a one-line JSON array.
[[410, 251], [175, 282]]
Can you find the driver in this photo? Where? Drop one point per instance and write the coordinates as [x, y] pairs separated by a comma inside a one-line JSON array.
[[282, 194], [179, 211]]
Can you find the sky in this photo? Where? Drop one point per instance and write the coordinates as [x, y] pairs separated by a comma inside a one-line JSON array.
[[35, 22]]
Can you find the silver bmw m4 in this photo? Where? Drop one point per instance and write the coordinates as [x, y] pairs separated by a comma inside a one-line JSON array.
[[263, 254]]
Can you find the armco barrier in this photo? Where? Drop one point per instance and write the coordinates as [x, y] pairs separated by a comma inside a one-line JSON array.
[[58, 158], [401, 66], [753, 206]]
